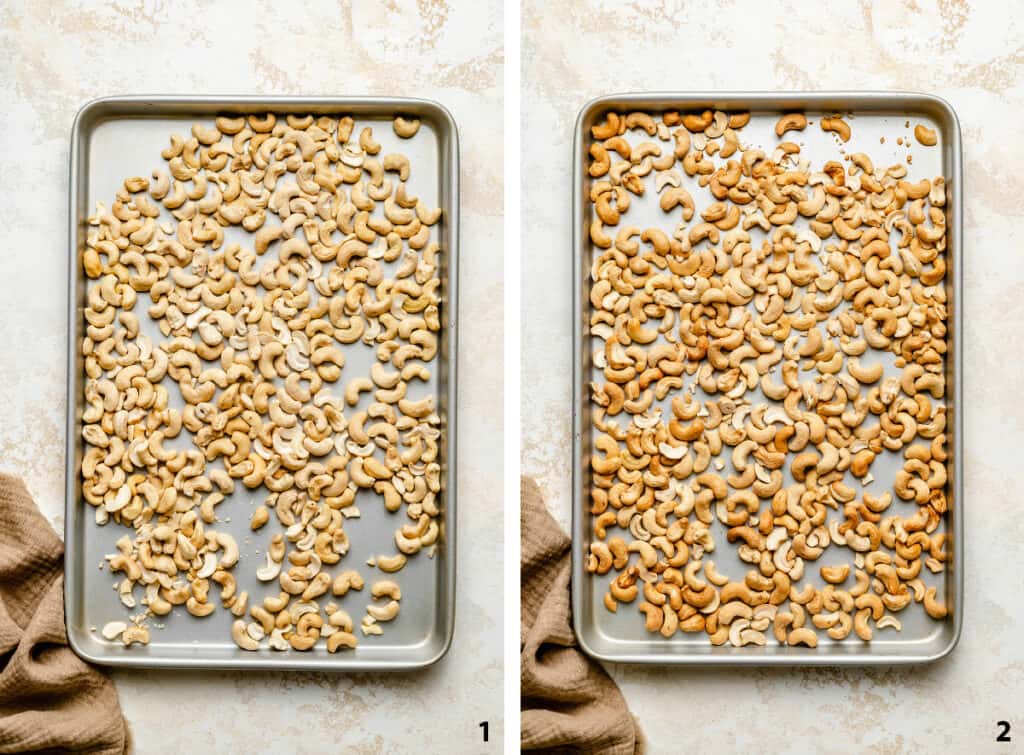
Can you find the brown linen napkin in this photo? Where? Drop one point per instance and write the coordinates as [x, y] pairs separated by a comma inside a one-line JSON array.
[[50, 699], [569, 704]]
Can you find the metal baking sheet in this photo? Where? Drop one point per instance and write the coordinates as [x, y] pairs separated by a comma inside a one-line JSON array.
[[621, 637], [113, 138]]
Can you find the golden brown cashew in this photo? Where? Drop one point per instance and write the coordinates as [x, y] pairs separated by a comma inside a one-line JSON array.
[[655, 617], [341, 639], [697, 122], [739, 120], [803, 636], [925, 136], [790, 122], [836, 125], [835, 574], [386, 588], [601, 161], [934, 609]]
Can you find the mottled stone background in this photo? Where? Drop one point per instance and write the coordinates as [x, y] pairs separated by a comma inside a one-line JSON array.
[[971, 53], [55, 56]]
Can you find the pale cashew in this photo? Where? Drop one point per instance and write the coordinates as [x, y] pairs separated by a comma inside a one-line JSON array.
[[386, 612], [345, 581], [113, 629], [386, 588], [391, 564], [406, 128]]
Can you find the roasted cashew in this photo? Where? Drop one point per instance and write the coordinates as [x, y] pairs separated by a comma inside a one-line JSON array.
[[698, 308]]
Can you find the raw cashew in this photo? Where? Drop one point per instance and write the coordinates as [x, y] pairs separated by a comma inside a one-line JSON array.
[[406, 127], [250, 333]]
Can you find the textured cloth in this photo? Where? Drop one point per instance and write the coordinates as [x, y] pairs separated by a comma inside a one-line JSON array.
[[569, 704], [50, 699]]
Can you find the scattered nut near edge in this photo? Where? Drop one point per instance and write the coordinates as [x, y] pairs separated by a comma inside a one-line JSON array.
[[925, 136]]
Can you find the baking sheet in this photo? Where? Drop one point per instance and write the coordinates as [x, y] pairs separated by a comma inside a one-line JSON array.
[[621, 636], [118, 137]]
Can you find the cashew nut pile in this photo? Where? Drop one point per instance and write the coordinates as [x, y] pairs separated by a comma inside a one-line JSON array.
[[255, 339], [779, 284]]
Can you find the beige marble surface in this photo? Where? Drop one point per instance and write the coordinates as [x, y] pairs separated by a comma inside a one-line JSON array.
[[973, 55], [55, 56]]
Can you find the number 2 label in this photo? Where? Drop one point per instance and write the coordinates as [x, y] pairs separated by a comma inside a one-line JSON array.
[[1002, 736]]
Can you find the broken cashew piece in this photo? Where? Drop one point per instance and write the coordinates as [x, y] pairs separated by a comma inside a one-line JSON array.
[[240, 635], [836, 125]]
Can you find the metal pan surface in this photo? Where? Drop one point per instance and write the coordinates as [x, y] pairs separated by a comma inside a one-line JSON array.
[[621, 637], [113, 138]]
